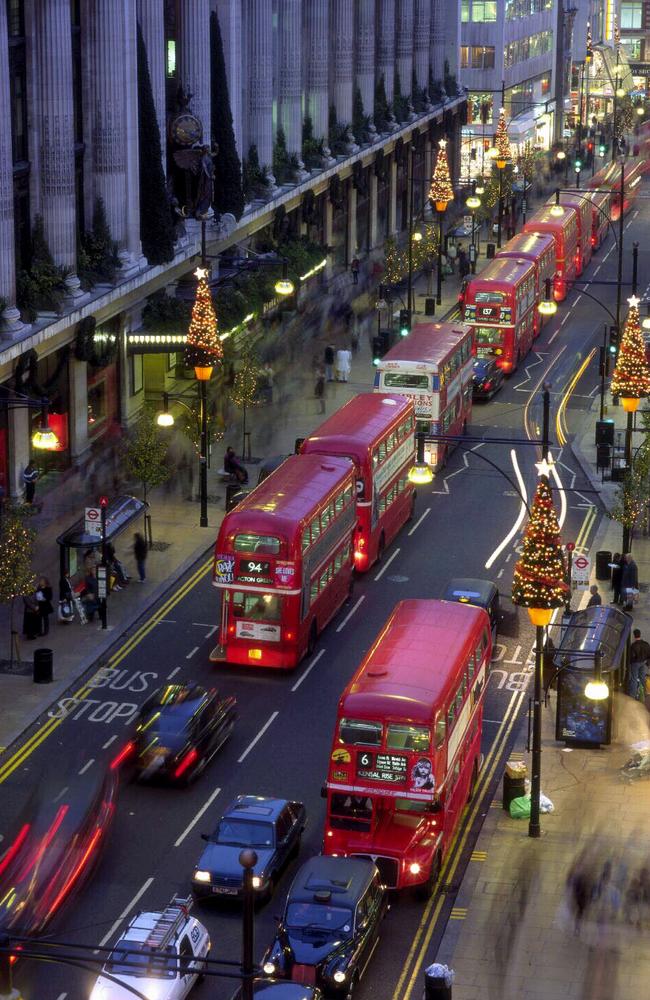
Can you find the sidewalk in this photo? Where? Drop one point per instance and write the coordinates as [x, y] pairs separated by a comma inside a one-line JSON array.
[[511, 936]]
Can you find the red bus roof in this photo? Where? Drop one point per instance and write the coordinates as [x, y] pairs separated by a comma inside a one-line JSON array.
[[429, 343], [549, 222], [507, 270], [289, 495], [353, 428], [530, 246], [412, 669]]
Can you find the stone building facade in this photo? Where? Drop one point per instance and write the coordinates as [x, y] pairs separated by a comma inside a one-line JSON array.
[[70, 135]]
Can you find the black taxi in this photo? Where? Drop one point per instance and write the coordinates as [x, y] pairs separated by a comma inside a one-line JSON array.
[[481, 593]]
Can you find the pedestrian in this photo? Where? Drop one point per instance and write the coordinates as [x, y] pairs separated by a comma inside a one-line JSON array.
[[31, 616], [343, 359], [639, 656], [90, 593], [91, 559], [617, 568], [463, 265], [115, 568], [45, 608], [266, 385], [319, 390], [30, 475], [234, 467], [140, 552], [354, 267], [629, 581], [328, 358], [595, 600]]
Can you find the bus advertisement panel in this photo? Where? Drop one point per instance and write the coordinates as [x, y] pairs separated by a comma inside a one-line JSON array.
[[407, 741], [500, 305], [283, 561], [378, 433], [434, 367], [565, 231]]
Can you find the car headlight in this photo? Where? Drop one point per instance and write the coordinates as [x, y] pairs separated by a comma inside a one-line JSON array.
[[339, 977], [414, 868], [202, 876], [269, 968]]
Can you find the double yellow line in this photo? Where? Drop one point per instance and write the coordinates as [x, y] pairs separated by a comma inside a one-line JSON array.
[[561, 427], [417, 953], [41, 734]]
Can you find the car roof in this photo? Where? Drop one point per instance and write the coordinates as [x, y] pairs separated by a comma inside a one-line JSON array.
[[282, 990], [179, 699], [486, 362], [255, 807], [346, 879], [477, 591]]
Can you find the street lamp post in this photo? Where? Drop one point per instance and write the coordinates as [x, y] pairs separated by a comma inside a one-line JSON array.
[[473, 202], [441, 215], [500, 210], [409, 287], [248, 860], [621, 230]]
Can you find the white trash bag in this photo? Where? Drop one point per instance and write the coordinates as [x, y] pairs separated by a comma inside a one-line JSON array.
[[545, 804], [439, 971]]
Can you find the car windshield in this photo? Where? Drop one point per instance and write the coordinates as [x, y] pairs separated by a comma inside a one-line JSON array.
[[244, 833], [481, 367], [169, 728], [121, 963], [316, 916]]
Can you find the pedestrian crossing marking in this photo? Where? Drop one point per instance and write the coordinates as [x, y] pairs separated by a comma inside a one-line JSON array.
[[495, 805], [515, 756], [458, 913], [478, 856]]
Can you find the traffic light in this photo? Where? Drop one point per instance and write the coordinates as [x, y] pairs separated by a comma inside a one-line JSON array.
[[602, 147], [613, 340], [380, 345], [590, 146], [577, 166], [404, 322]]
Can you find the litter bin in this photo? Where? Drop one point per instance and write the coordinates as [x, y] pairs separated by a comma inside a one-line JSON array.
[[437, 982], [234, 494], [514, 782], [603, 569], [43, 666], [489, 250]]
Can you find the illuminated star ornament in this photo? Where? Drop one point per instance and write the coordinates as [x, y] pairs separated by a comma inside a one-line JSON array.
[[201, 273], [544, 467]]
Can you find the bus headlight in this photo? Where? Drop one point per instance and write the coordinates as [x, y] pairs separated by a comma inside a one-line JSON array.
[[339, 977], [414, 868], [268, 968], [201, 876]]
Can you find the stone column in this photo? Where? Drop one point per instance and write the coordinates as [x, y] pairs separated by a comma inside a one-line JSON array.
[[341, 33], [372, 207], [55, 128], [404, 45], [316, 69], [78, 416], [428, 166], [421, 35], [151, 18], [352, 222], [392, 198], [18, 424], [365, 59], [193, 56], [385, 34], [10, 324], [229, 13], [260, 79], [113, 110], [328, 231], [289, 73]]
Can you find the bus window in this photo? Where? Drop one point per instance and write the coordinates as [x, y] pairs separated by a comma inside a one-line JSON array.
[[257, 543], [412, 806], [405, 380], [488, 335], [470, 667], [404, 737], [315, 529], [306, 539], [339, 503], [351, 812], [488, 296], [257, 607], [441, 732], [359, 732], [324, 518], [381, 451]]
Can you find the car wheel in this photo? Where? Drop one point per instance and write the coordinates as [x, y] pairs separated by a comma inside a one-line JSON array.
[[201, 975], [295, 851], [427, 889], [354, 982]]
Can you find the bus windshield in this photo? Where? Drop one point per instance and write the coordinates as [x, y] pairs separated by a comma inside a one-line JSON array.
[[405, 380], [257, 607], [359, 732], [351, 812], [401, 736]]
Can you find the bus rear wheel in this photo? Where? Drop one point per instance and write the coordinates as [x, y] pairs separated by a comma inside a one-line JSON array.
[[427, 889]]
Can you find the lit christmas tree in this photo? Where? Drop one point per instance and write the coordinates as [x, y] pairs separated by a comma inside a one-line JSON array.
[[244, 389], [539, 577], [16, 575], [203, 349], [396, 259], [631, 378], [441, 191], [501, 140]]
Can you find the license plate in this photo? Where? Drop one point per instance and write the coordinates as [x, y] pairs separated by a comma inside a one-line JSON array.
[[224, 890]]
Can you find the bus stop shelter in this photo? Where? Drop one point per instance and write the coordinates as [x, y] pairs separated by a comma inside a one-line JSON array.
[[120, 513]]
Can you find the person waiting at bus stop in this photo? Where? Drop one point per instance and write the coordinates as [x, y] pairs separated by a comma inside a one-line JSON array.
[[639, 656], [233, 466]]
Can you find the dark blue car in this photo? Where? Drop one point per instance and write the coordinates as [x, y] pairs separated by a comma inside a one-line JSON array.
[[272, 827]]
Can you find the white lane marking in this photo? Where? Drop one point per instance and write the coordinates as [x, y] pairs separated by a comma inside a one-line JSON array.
[[257, 738], [89, 763], [597, 269], [166, 621], [190, 826], [210, 633], [173, 673], [192, 652], [350, 613], [202, 624], [420, 520], [108, 742], [522, 512], [308, 670], [125, 912], [61, 996], [563, 501], [500, 574], [386, 565], [551, 339]]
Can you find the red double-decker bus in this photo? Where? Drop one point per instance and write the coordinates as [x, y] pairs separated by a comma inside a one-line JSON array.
[[581, 203], [609, 178], [378, 434], [601, 210], [500, 306], [540, 249], [407, 744], [565, 231], [283, 561]]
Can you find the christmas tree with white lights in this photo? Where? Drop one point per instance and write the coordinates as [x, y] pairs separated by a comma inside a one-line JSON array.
[[441, 190], [539, 577], [631, 378], [501, 140], [203, 349]]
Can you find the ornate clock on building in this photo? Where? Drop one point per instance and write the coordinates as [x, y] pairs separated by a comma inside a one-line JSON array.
[[185, 129]]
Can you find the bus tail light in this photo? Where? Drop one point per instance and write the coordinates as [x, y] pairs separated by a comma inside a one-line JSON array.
[[186, 762], [231, 630], [593, 241], [254, 654], [289, 636]]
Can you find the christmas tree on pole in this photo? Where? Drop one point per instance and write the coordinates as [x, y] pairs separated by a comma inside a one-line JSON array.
[[631, 378], [501, 140], [441, 191], [203, 349], [244, 392], [539, 578]]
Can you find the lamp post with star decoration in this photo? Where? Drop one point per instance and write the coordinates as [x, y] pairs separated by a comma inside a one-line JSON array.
[[202, 352]]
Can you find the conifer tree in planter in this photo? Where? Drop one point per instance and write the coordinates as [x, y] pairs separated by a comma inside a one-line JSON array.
[[228, 189], [382, 107], [312, 148], [40, 288], [400, 101], [285, 164], [255, 177], [156, 230], [361, 122], [97, 258]]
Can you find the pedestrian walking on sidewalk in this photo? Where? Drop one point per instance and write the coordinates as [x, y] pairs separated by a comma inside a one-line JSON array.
[[31, 616], [140, 551], [328, 358], [30, 475], [319, 390], [354, 267], [595, 600], [45, 608], [639, 656], [617, 568], [629, 581], [343, 359]]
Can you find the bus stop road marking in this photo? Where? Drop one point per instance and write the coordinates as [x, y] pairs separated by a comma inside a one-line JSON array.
[[350, 613], [387, 564]]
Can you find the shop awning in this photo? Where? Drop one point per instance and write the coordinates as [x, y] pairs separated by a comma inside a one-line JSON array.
[[120, 513]]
